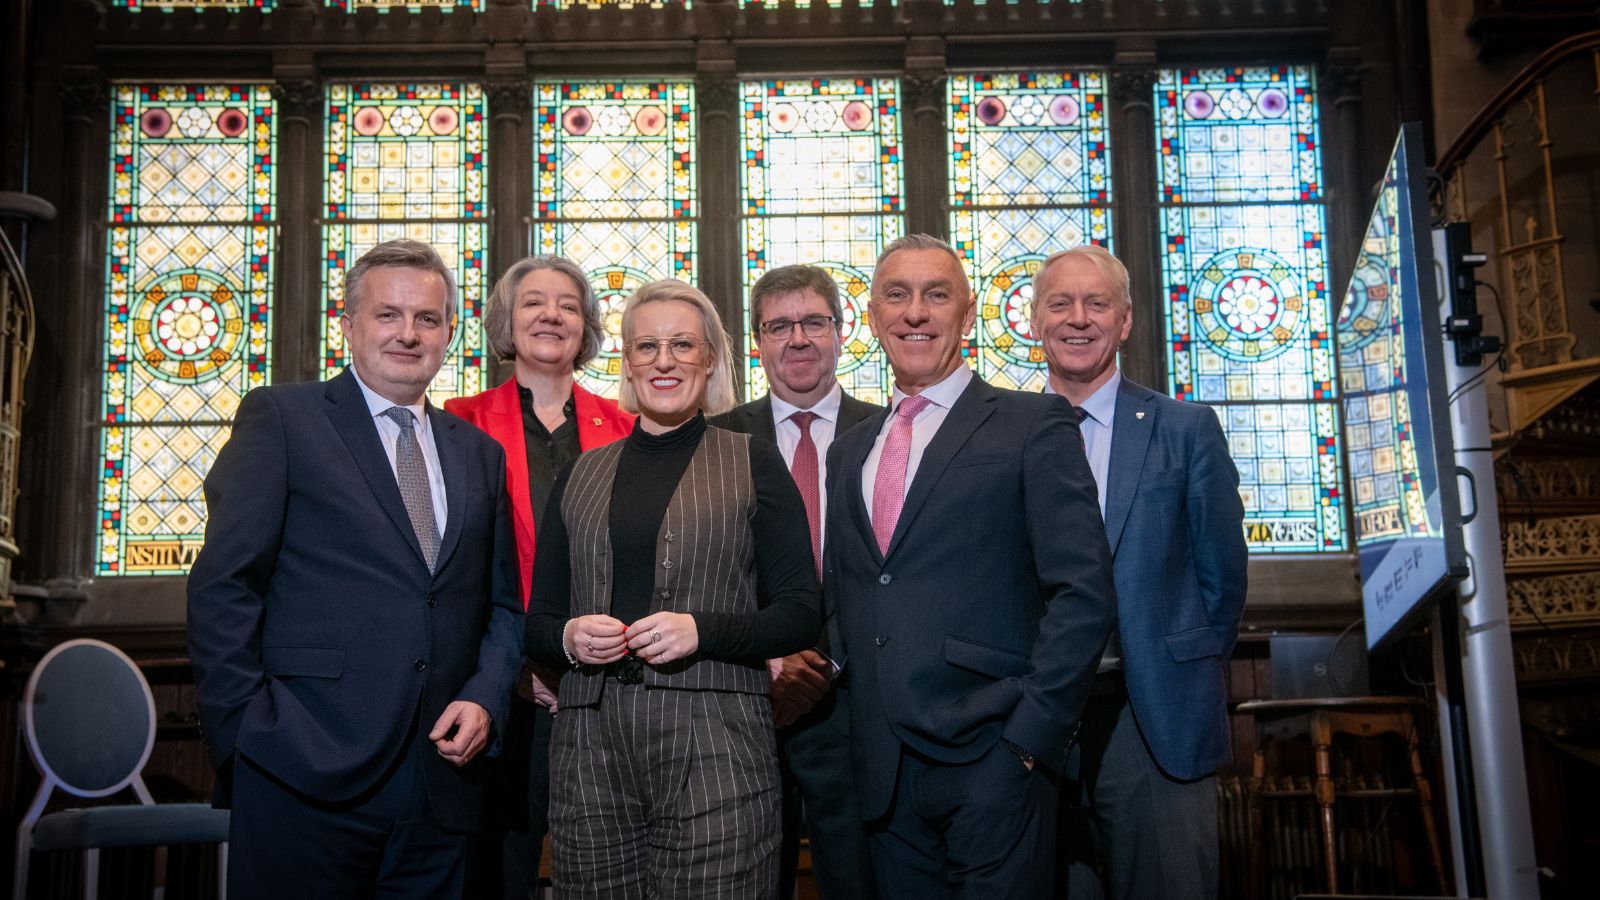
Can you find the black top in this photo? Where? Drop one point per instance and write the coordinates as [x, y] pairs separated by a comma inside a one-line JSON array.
[[548, 452], [788, 615]]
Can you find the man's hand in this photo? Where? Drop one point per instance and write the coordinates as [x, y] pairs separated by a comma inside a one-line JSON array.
[[461, 731], [537, 684], [798, 683]]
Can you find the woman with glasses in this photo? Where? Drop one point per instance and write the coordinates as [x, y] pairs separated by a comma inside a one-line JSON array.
[[673, 564], [544, 318]]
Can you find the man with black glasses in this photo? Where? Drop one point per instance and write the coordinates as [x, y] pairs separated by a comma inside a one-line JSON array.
[[799, 325]]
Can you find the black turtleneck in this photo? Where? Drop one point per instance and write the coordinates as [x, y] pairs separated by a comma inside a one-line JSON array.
[[649, 468], [548, 451]]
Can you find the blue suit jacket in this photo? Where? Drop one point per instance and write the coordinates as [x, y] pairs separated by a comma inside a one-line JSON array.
[[987, 617], [1174, 522], [317, 634]]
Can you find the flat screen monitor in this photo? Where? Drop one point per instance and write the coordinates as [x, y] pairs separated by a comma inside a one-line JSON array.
[[1396, 422]]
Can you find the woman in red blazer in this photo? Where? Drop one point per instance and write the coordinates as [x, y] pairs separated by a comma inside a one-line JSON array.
[[544, 317]]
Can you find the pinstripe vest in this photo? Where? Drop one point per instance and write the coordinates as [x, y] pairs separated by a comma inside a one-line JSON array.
[[705, 557]]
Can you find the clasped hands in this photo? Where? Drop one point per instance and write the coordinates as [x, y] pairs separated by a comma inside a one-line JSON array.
[[799, 682], [660, 637]]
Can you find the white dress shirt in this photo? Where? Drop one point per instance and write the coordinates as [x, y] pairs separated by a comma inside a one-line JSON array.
[[1101, 409], [389, 432], [823, 429], [926, 424]]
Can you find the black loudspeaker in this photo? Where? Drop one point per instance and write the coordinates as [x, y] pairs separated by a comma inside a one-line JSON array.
[[1314, 666]]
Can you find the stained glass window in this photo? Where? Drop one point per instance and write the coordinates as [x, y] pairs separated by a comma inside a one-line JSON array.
[[596, 4], [189, 287], [1386, 492], [408, 161], [614, 191], [1029, 175], [1245, 277], [822, 183], [406, 5], [170, 5]]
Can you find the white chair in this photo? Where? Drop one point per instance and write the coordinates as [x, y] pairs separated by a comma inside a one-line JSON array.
[[90, 721]]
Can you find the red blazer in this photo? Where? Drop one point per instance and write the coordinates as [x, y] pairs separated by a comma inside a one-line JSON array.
[[498, 411]]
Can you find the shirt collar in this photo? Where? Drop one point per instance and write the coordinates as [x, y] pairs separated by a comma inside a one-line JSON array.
[[1102, 404], [826, 409], [946, 392], [377, 404]]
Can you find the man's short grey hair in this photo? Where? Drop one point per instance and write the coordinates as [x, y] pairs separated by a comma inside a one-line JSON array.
[[1111, 270], [787, 280], [919, 242], [401, 254], [498, 319]]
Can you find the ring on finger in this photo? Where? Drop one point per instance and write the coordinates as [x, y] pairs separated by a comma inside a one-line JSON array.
[[590, 643], [655, 636]]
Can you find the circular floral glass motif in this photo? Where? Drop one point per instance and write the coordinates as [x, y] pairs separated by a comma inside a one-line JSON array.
[[991, 110], [577, 120], [368, 121], [155, 122], [1199, 104], [1248, 304], [783, 117], [442, 120], [231, 122], [187, 324], [650, 120], [1004, 297], [857, 115], [1272, 102], [1064, 110], [406, 120], [1365, 314]]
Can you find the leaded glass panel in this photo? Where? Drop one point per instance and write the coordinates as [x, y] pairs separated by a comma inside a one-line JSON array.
[[1029, 175], [406, 5], [189, 292], [1244, 274], [614, 191], [822, 183], [170, 5], [408, 161]]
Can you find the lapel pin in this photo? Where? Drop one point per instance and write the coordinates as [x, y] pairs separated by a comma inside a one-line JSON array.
[[597, 420], [1137, 415]]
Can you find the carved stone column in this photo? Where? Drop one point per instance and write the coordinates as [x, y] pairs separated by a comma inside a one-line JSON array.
[[297, 306], [1134, 214], [926, 146], [510, 182], [1347, 192], [720, 264], [68, 384]]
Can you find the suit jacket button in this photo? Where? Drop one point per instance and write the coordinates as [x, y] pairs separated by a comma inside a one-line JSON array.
[[666, 564], [666, 595], [669, 537], [420, 664], [885, 579], [880, 640], [432, 601]]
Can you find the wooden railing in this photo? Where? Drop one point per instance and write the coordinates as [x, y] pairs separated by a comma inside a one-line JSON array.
[[1514, 130], [16, 345]]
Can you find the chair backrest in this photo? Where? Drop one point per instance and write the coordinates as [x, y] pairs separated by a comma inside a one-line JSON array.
[[89, 718]]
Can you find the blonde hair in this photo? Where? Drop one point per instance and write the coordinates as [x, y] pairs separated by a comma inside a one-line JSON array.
[[719, 387], [1111, 270]]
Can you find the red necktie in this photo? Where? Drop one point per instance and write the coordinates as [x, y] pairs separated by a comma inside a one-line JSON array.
[[804, 469], [889, 491]]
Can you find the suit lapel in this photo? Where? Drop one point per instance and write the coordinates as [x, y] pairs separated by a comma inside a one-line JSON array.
[[758, 418], [453, 465], [351, 418], [975, 404], [1132, 424], [851, 411]]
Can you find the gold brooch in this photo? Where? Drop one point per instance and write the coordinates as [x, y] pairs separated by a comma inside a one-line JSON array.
[[598, 420], [1137, 415]]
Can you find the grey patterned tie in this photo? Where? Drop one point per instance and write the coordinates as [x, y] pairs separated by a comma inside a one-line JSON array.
[[412, 473]]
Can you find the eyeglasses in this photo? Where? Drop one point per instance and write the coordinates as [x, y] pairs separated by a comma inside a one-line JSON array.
[[643, 351], [812, 326]]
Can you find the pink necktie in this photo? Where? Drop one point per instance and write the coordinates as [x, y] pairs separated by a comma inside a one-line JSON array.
[[889, 491], [804, 471]]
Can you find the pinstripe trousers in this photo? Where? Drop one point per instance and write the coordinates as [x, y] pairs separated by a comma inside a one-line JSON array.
[[664, 793]]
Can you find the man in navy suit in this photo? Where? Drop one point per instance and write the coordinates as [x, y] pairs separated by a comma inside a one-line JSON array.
[[967, 560], [353, 616], [1156, 729], [796, 312]]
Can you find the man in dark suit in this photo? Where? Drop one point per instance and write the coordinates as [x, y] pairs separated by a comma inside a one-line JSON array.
[[796, 314], [354, 621], [967, 560], [1142, 775]]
